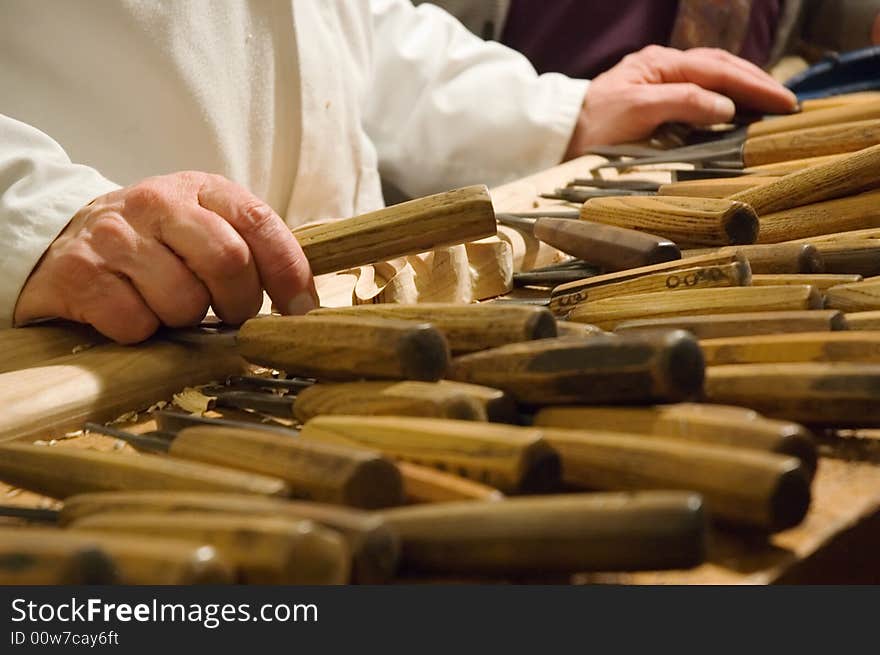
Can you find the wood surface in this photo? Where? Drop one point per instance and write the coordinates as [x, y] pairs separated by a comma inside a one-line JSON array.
[[408, 228], [861, 296], [552, 534], [265, 550], [423, 484], [686, 221], [786, 167], [357, 477], [811, 142], [860, 109], [662, 366], [714, 187], [843, 99], [39, 555], [374, 545], [842, 346], [36, 344], [339, 348], [854, 257], [864, 320], [821, 281], [499, 456], [466, 327], [773, 258], [854, 212], [709, 326], [609, 312]]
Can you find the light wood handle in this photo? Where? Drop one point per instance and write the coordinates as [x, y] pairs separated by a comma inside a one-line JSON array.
[[610, 312], [501, 456], [720, 187], [374, 545], [428, 485], [265, 550], [467, 327], [821, 281], [51, 556], [336, 347], [661, 366], [713, 425], [785, 167], [845, 346], [840, 215], [840, 100], [709, 326], [443, 219], [565, 296], [357, 477], [63, 472], [863, 320], [609, 247], [813, 142], [837, 394], [853, 257], [746, 487], [35, 345], [686, 221], [856, 172], [844, 112], [774, 258], [408, 398], [857, 297], [554, 534], [578, 330], [102, 383], [499, 407]]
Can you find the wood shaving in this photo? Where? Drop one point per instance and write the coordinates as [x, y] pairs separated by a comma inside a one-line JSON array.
[[128, 417], [41, 442], [162, 404], [12, 493], [192, 400]]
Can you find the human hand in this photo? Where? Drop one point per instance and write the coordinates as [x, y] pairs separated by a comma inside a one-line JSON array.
[[875, 30], [161, 252], [656, 85]]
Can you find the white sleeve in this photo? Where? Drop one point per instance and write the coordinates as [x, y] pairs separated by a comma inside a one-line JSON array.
[[40, 191], [448, 109]]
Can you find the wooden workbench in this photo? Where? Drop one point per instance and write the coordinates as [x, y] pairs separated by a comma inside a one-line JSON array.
[[836, 543]]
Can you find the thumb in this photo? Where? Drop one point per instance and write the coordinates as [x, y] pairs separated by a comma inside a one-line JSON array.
[[689, 103]]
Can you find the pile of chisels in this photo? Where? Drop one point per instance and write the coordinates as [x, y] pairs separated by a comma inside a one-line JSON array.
[[667, 381]]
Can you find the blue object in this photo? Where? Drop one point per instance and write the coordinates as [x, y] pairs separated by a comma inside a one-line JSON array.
[[848, 72]]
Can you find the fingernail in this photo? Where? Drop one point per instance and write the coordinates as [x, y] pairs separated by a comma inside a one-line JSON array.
[[724, 107], [302, 303]]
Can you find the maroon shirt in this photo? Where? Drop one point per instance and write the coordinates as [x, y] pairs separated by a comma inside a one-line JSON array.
[[582, 39]]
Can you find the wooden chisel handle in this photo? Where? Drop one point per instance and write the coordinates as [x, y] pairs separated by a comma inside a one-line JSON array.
[[709, 326], [714, 188], [466, 327], [718, 425], [357, 477], [265, 550], [423, 484], [840, 100], [842, 346], [812, 142], [854, 257], [746, 487], [553, 534], [337, 347], [374, 545], [663, 365], [846, 112], [774, 258], [855, 212], [858, 171], [51, 556], [63, 472], [693, 221], [785, 167], [827, 394], [408, 228], [501, 456]]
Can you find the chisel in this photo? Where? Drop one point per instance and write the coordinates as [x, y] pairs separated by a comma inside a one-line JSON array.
[[619, 183], [609, 312], [756, 489], [581, 195], [833, 395], [422, 484], [773, 258], [553, 534], [264, 549], [62, 472], [466, 327], [648, 367], [864, 320], [502, 456], [710, 326], [791, 166], [828, 139], [608, 247], [374, 545], [846, 346], [854, 257], [821, 281], [718, 425], [713, 187], [856, 297], [46, 556], [565, 296], [357, 477]]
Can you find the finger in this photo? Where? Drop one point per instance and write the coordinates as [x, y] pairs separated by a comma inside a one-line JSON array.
[[115, 309], [748, 68], [219, 257], [282, 266], [687, 103]]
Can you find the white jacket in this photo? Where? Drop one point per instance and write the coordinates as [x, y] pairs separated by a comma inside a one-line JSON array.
[[302, 101]]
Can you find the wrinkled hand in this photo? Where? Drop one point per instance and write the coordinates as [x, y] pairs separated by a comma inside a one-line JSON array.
[[163, 250], [657, 84]]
